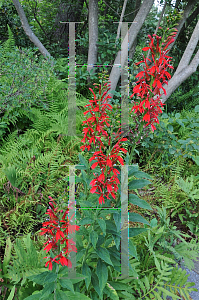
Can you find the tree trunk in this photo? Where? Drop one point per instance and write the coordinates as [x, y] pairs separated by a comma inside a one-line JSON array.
[[133, 32], [93, 34], [29, 31], [185, 16], [121, 19], [185, 68]]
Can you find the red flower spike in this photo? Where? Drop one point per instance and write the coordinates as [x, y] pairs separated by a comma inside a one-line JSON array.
[[58, 235]]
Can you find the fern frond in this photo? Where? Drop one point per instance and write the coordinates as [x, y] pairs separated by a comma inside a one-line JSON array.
[[26, 259], [9, 45]]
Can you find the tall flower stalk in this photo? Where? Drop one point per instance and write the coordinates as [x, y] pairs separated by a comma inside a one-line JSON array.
[[107, 182], [58, 228], [149, 87]]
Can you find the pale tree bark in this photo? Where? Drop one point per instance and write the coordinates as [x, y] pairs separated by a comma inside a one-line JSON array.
[[190, 19], [93, 34], [185, 68], [29, 31], [121, 19], [187, 11], [133, 32]]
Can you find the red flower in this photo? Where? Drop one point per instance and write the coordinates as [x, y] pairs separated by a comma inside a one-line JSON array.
[[102, 185], [151, 80], [58, 232]]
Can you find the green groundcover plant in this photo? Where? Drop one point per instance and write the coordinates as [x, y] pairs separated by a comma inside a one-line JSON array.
[[100, 242]]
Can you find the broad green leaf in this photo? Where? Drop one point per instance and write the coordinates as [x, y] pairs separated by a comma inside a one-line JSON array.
[[102, 225], [86, 221], [93, 238], [95, 283], [86, 271], [104, 255], [111, 292], [40, 278], [80, 254], [138, 184], [134, 217], [135, 200], [66, 283], [70, 296], [47, 290], [170, 128], [102, 274], [101, 240], [140, 174], [172, 150], [79, 277], [83, 161], [153, 222], [119, 285], [51, 277], [196, 108], [132, 169], [35, 296], [136, 231], [116, 216], [80, 167]]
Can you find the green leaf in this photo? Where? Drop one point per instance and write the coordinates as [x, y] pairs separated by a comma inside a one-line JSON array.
[[196, 108], [7, 255], [36, 296], [153, 222], [132, 249], [134, 217], [138, 184], [132, 169], [102, 274], [87, 272], [95, 283], [104, 255], [48, 289], [41, 278], [83, 161], [93, 238], [66, 283], [80, 254], [86, 221], [172, 150], [65, 295], [140, 174], [136, 231], [135, 200], [170, 128], [116, 216], [60, 295], [111, 292], [10, 297], [80, 167], [102, 225]]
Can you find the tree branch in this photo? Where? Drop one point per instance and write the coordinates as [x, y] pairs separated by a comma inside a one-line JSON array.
[[121, 19], [29, 31], [132, 33], [184, 70]]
